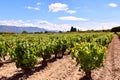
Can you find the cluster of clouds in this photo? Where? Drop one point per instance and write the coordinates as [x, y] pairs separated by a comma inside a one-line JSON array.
[[59, 27], [18, 23], [37, 23], [36, 7], [56, 7]]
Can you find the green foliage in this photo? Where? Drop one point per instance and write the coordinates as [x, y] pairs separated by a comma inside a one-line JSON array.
[[104, 40], [24, 55], [24, 49], [115, 29], [44, 49], [3, 50], [89, 55]]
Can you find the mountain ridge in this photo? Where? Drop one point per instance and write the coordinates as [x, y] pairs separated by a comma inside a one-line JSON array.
[[16, 29]]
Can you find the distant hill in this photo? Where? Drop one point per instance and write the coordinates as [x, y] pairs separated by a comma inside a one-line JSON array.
[[5, 28]]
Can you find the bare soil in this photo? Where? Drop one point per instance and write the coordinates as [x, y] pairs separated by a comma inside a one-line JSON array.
[[66, 69]]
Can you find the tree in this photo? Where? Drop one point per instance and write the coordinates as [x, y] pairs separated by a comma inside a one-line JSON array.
[[115, 29], [24, 32], [73, 29]]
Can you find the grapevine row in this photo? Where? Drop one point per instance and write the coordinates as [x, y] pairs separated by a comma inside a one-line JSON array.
[[25, 49]]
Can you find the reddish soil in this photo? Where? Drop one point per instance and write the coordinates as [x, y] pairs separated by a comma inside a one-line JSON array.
[[66, 69]]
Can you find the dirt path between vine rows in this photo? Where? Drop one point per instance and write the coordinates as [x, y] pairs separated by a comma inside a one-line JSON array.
[[62, 69], [66, 69], [111, 69]]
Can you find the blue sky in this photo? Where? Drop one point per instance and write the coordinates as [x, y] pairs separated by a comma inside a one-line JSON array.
[[61, 14]]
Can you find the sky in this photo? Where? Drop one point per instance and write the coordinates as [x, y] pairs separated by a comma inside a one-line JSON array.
[[61, 14]]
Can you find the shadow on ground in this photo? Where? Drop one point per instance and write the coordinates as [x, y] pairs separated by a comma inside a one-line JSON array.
[[23, 76], [85, 78]]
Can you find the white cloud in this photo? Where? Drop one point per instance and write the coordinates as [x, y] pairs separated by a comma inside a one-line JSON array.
[[18, 23], [59, 27], [36, 7], [112, 5], [108, 25], [55, 7], [38, 3], [33, 8], [98, 25], [72, 18], [71, 11], [11, 22]]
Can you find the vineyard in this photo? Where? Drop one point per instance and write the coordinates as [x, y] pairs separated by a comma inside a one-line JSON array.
[[59, 56]]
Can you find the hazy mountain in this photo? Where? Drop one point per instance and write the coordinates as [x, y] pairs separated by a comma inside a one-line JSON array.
[[5, 28]]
